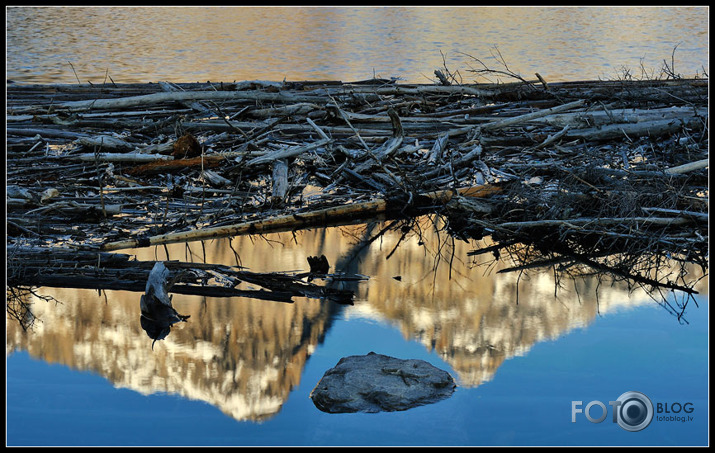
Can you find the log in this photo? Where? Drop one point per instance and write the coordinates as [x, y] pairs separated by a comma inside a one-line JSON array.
[[302, 108], [428, 89], [575, 223], [347, 213], [215, 179], [281, 223], [64, 267], [280, 181], [443, 196], [388, 148], [157, 313], [104, 141], [552, 138], [74, 208], [287, 152], [435, 154], [44, 132], [632, 130], [702, 216], [317, 128], [172, 97], [172, 88], [507, 122], [597, 118], [119, 157], [466, 159], [686, 168], [168, 165]]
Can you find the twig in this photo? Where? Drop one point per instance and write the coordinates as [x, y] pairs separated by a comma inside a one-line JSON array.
[[99, 180], [75, 72]]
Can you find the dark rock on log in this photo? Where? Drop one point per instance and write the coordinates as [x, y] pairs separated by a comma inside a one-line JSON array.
[[380, 383]]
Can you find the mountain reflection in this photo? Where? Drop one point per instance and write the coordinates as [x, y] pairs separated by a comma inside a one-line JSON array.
[[244, 356]]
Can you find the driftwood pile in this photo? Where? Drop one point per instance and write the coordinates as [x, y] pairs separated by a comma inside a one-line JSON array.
[[607, 174]]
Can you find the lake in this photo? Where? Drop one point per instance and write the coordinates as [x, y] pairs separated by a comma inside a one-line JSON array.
[[50, 45], [240, 371], [528, 351]]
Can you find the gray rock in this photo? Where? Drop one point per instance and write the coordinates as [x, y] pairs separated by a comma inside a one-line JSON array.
[[377, 383]]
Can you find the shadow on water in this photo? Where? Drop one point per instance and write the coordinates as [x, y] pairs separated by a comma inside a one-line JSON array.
[[245, 355]]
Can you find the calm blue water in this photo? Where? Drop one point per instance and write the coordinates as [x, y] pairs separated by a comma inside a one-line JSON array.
[[527, 403]]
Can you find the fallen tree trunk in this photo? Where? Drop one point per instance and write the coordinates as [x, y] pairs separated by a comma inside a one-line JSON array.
[[632, 130], [290, 222], [67, 268], [277, 224], [171, 97]]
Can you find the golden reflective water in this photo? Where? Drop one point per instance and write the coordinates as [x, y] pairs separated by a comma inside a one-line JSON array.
[[245, 356], [131, 44]]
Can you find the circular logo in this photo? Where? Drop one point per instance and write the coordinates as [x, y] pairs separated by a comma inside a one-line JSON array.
[[635, 411]]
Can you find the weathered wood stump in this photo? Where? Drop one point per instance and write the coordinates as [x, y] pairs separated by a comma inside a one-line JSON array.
[[157, 313]]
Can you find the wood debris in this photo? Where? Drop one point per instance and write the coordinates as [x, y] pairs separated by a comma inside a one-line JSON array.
[[581, 169]]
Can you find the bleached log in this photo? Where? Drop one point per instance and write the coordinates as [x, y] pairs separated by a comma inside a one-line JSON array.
[[20, 193], [435, 153], [280, 181], [573, 223], [287, 152], [44, 132], [276, 224], [461, 161], [171, 97], [214, 178], [425, 89], [120, 157], [16, 202], [595, 118], [302, 108], [291, 222], [685, 168], [697, 215], [507, 122], [171, 88], [387, 148], [105, 142], [318, 129], [552, 138], [622, 130], [72, 207]]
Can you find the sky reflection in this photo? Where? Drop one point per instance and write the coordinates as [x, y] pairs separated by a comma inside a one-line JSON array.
[[248, 366]]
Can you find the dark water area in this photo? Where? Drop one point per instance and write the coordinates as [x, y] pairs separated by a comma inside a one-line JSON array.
[[536, 359]]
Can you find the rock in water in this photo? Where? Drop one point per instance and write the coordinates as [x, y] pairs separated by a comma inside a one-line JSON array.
[[377, 383]]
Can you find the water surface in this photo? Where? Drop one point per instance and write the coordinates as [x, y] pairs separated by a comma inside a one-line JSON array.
[[240, 371], [134, 44]]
